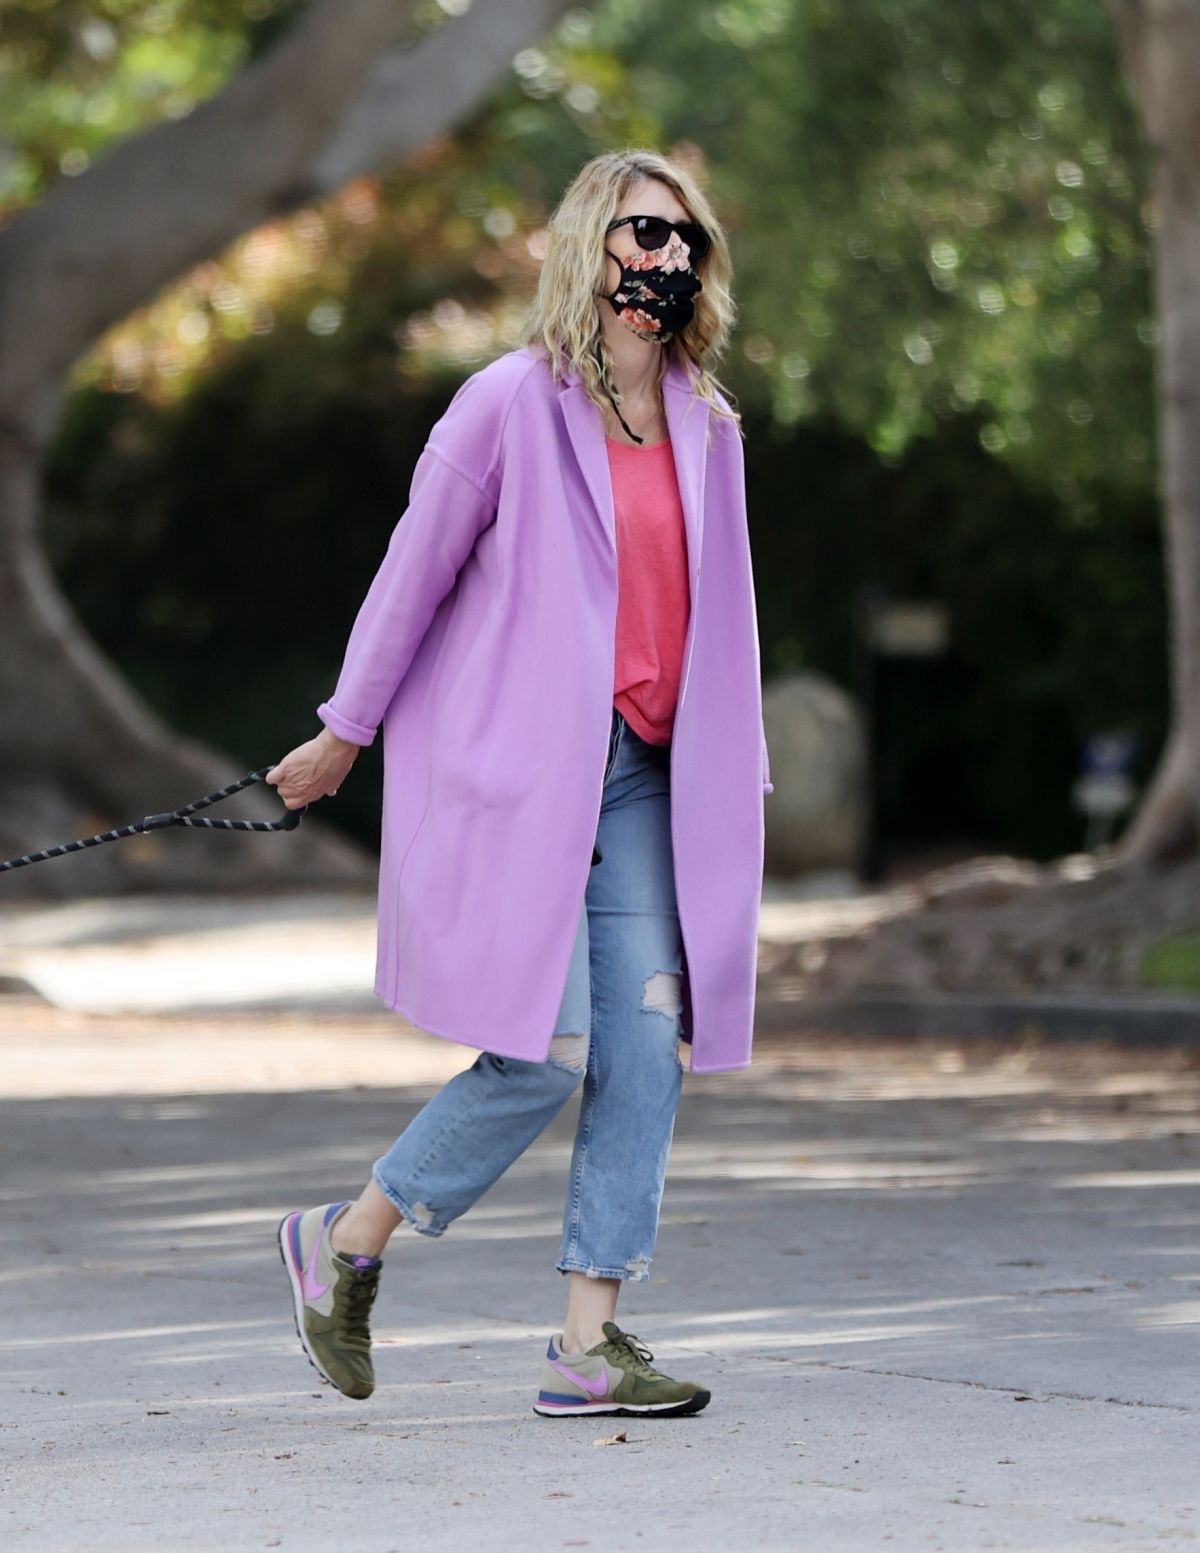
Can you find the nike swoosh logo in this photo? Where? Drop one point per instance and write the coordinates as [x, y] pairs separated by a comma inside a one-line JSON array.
[[594, 1388], [311, 1289]]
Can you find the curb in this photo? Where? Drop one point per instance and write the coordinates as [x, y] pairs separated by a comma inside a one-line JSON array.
[[1134, 1020]]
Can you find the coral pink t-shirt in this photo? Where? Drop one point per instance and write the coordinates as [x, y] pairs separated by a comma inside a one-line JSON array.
[[653, 598]]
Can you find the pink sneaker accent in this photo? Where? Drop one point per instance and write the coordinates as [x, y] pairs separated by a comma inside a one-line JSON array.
[[311, 1288], [598, 1388]]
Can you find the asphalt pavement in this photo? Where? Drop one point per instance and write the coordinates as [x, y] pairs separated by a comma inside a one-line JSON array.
[[945, 1293]]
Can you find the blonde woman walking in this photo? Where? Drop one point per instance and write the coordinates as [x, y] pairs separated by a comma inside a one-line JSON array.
[[561, 648]]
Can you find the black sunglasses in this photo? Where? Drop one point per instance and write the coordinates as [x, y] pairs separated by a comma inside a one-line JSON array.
[[654, 232]]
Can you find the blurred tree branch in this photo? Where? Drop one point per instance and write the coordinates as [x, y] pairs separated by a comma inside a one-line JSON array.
[[336, 97]]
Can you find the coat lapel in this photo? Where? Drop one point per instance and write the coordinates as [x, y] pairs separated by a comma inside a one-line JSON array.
[[687, 422]]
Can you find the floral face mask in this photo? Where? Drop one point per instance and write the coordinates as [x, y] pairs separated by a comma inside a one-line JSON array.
[[656, 293]]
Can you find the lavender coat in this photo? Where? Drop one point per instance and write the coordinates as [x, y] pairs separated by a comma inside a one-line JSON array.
[[484, 647]]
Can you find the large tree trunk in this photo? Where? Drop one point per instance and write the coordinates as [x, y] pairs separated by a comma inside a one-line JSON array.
[[346, 91], [1160, 48], [82, 754]]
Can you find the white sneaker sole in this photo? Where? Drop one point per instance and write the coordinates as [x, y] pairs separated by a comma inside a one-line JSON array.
[[631, 1410]]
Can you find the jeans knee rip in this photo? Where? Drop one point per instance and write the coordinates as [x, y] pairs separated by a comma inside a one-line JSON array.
[[661, 993], [569, 1051]]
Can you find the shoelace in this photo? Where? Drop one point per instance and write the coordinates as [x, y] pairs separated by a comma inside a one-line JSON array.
[[352, 1307], [637, 1351]]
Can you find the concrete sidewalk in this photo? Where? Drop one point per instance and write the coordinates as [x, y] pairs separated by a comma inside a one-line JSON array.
[[946, 1295]]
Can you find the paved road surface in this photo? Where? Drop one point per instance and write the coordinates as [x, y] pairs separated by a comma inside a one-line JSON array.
[[946, 1297]]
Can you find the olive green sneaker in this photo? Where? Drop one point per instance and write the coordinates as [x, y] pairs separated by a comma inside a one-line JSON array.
[[613, 1377], [332, 1295]]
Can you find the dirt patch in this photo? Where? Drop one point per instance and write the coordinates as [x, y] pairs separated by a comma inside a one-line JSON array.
[[1001, 924]]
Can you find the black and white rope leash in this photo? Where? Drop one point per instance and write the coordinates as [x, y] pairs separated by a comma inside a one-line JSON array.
[[181, 816]]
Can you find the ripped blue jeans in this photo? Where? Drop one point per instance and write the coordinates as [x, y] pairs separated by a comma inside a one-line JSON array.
[[617, 1040]]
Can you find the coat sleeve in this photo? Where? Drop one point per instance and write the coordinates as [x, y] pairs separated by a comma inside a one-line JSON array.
[[452, 499]]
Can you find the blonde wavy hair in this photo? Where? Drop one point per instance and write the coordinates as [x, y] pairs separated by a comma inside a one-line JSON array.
[[564, 318]]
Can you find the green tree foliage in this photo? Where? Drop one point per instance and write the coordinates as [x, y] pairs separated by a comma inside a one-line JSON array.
[[934, 209], [76, 75]]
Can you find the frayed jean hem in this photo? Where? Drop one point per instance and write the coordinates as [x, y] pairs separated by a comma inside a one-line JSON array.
[[625, 1274], [397, 1202]]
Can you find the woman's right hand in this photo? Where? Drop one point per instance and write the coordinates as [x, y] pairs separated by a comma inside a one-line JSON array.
[[313, 770]]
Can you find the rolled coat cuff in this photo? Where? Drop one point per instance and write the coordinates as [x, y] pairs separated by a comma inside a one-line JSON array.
[[343, 727]]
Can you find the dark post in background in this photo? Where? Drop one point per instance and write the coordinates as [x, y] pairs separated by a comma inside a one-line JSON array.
[[893, 636]]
